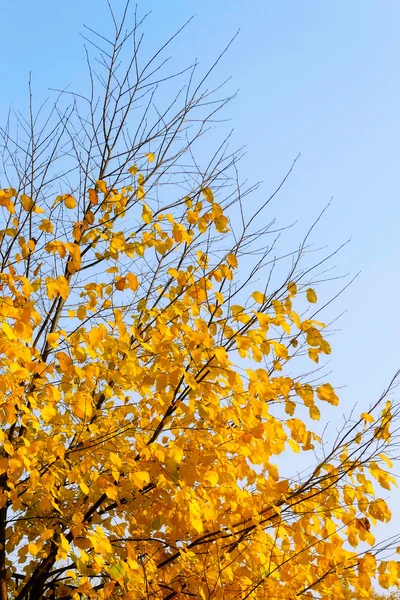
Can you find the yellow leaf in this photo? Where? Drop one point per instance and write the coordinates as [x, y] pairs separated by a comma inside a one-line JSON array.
[[101, 544], [93, 197], [48, 412], [311, 296], [111, 492], [221, 355], [212, 477], [89, 217], [69, 201], [150, 157], [84, 488], [140, 478], [133, 170], [8, 447], [294, 446], [27, 203], [75, 254], [81, 313], [8, 331], [327, 393], [232, 261], [115, 459], [258, 297], [386, 460], [141, 194], [64, 361], [264, 320], [367, 417], [11, 232], [208, 195], [132, 281], [221, 224], [120, 284], [101, 186], [63, 548], [147, 215], [71, 574], [315, 413], [57, 287], [236, 309], [280, 349], [196, 523], [33, 549], [47, 226], [292, 288], [82, 406], [290, 407]]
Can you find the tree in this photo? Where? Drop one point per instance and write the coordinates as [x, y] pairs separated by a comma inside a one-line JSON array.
[[146, 386]]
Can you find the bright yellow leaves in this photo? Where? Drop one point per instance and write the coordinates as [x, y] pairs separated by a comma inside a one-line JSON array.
[[57, 287], [315, 413], [82, 405], [208, 195], [65, 362], [150, 157], [133, 169], [69, 201], [84, 487], [81, 313], [368, 418], [6, 199], [93, 197], [280, 349], [219, 219], [100, 542], [147, 214], [48, 412], [102, 186], [311, 296], [258, 297], [232, 261], [326, 392], [150, 397], [53, 338], [75, 255], [212, 477], [140, 479], [28, 204], [130, 281], [47, 226], [63, 548]]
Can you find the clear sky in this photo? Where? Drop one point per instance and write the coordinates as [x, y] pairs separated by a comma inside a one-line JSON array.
[[316, 77]]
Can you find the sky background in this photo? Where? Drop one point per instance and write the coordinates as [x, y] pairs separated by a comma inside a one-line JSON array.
[[320, 78]]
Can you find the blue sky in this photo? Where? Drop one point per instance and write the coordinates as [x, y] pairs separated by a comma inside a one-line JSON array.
[[320, 78]]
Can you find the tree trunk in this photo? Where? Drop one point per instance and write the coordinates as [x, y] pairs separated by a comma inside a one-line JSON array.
[[3, 525]]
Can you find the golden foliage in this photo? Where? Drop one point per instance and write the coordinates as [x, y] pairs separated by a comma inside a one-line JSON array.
[[145, 398]]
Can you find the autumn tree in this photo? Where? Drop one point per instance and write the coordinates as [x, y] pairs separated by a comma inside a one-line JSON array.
[[148, 384]]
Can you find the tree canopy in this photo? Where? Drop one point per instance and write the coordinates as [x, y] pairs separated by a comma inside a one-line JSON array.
[[148, 383]]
